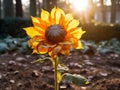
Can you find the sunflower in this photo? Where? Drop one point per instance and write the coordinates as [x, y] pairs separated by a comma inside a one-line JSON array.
[[54, 33]]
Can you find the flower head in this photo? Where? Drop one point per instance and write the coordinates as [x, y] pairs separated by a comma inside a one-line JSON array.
[[54, 32]]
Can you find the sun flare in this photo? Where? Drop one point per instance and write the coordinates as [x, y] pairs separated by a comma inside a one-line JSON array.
[[79, 5]]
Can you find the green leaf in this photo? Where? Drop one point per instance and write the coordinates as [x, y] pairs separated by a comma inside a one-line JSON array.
[[76, 79], [62, 68], [39, 60], [3, 47]]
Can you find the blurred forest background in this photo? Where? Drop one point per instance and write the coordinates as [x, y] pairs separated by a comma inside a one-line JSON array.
[[107, 11]]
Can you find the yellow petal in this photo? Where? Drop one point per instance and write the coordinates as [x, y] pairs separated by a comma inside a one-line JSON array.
[[59, 13], [35, 51], [68, 18], [45, 15], [79, 45], [54, 51], [31, 31], [78, 33], [36, 39], [35, 20], [42, 49], [62, 20], [39, 29], [73, 24], [56, 15], [65, 43], [53, 12], [32, 43], [65, 50]]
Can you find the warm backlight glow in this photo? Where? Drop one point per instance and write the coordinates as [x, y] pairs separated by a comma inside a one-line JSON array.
[[79, 5]]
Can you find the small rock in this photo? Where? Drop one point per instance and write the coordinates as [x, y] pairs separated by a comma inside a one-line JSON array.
[[35, 73], [88, 62], [12, 81], [14, 54], [8, 88], [0, 76], [98, 58], [16, 72], [83, 88], [11, 62], [46, 68], [20, 59], [116, 55], [4, 75], [78, 65], [90, 78], [19, 84], [4, 64], [85, 56], [27, 56], [75, 65], [71, 64], [19, 64], [103, 74], [63, 87], [25, 65], [42, 56]]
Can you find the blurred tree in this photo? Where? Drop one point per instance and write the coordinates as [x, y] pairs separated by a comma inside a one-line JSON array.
[[103, 10], [39, 4], [54, 3], [91, 11], [8, 9], [113, 11], [49, 4], [19, 11], [33, 8], [0, 9]]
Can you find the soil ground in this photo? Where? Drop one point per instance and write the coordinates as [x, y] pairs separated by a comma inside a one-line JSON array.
[[18, 73]]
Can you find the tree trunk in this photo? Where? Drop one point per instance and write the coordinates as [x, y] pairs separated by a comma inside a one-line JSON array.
[[91, 11], [8, 10], [46, 5], [103, 10], [33, 9], [49, 4], [113, 11], [19, 11], [54, 3], [0, 10]]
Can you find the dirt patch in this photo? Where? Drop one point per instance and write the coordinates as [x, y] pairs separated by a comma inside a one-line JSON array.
[[17, 73]]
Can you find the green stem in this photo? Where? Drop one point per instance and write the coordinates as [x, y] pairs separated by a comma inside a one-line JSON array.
[[55, 74]]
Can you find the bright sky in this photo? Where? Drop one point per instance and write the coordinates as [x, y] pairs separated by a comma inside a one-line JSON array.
[[82, 5], [79, 5], [25, 2], [108, 2]]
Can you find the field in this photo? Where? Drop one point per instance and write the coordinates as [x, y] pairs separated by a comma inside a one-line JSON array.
[[18, 73]]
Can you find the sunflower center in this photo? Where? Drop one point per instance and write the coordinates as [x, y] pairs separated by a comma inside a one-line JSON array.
[[55, 34]]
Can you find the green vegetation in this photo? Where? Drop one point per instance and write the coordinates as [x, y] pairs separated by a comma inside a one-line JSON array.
[[102, 47], [13, 27], [108, 46], [11, 44], [101, 31]]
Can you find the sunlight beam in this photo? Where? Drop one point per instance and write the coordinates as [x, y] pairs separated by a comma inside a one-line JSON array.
[[79, 5]]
